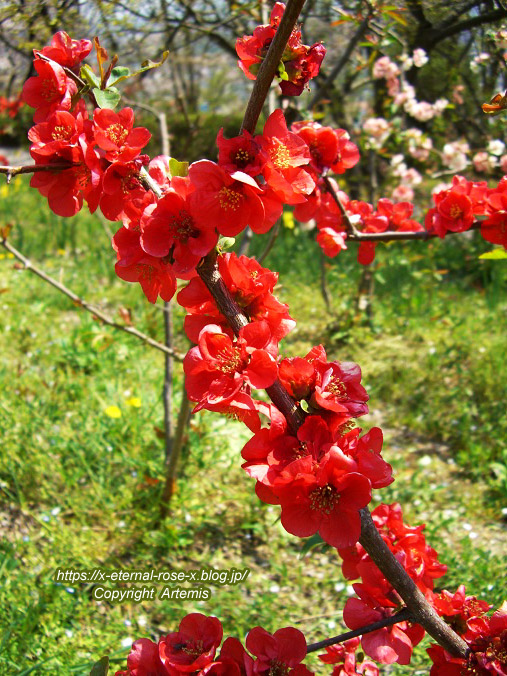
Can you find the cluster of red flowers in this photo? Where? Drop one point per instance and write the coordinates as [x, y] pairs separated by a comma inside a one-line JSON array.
[[299, 63], [192, 650], [456, 209], [485, 635], [10, 106], [322, 474]]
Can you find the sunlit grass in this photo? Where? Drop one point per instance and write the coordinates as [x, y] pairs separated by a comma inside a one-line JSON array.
[[81, 466]]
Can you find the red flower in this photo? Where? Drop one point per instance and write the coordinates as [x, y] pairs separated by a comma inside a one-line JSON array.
[[329, 148], [144, 660], [494, 228], [453, 211], [299, 63], [324, 498], [240, 153], [338, 388], [386, 645], [134, 265], [66, 51], [302, 68], [121, 185], [193, 646], [280, 653], [176, 227], [115, 134], [233, 650], [366, 451], [284, 153], [331, 241], [231, 201], [250, 285], [297, 375], [217, 368], [344, 657], [49, 90]]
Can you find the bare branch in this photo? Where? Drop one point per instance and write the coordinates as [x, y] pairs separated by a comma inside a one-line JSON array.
[[80, 302], [404, 615]]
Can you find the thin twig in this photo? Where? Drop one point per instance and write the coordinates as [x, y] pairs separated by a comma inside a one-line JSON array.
[[170, 477], [275, 230], [404, 615], [80, 302], [350, 227], [11, 171]]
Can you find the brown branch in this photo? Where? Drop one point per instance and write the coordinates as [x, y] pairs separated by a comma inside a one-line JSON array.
[[270, 65], [172, 461], [10, 171], [422, 612], [404, 615], [275, 231], [350, 227], [80, 302], [355, 235]]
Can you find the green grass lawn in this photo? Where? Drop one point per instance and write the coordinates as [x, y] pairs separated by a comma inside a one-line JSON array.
[[77, 486]]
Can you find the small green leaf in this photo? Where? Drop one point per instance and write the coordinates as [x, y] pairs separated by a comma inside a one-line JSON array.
[[107, 98], [225, 243], [146, 65], [311, 543], [495, 255], [101, 667], [89, 76], [178, 168], [304, 405], [117, 74]]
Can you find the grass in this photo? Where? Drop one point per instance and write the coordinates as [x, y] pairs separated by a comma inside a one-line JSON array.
[[81, 489]]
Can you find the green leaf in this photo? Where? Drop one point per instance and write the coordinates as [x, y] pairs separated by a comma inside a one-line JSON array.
[[107, 98], [311, 543], [225, 243], [282, 73], [178, 168], [304, 405], [101, 667], [117, 74], [495, 255], [89, 76], [146, 65]]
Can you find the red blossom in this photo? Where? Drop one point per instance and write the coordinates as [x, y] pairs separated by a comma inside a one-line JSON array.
[[284, 153], [175, 226], [387, 645], [121, 186], [115, 133], [66, 51], [240, 153], [144, 660], [278, 653], [343, 656], [299, 63], [250, 285], [231, 201], [494, 227], [154, 275], [330, 148], [50, 90], [193, 646], [218, 367]]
